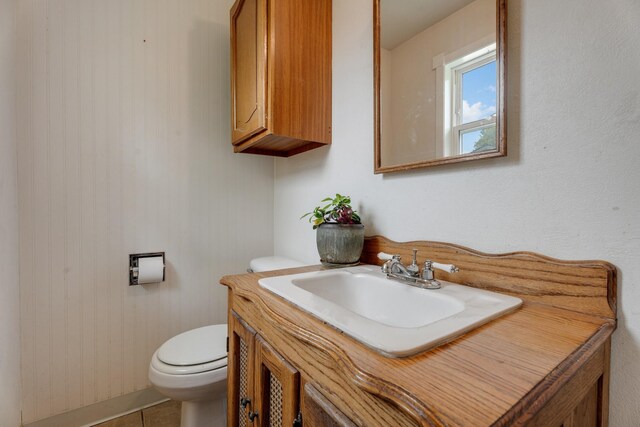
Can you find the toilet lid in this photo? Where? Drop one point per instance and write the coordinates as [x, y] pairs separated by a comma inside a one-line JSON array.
[[270, 263], [195, 347]]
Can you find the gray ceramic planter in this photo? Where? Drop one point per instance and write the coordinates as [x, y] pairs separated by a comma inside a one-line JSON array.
[[340, 243]]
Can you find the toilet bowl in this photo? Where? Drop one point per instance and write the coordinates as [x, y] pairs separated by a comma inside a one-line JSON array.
[[192, 367]]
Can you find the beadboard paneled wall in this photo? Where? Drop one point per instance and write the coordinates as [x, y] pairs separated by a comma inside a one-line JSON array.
[[9, 285], [123, 135]]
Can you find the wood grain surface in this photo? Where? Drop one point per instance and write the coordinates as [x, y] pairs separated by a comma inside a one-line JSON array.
[[503, 373], [281, 76], [248, 35], [239, 334], [319, 412], [585, 286], [271, 364]]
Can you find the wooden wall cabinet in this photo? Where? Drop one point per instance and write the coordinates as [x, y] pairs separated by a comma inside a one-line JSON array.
[[280, 76]]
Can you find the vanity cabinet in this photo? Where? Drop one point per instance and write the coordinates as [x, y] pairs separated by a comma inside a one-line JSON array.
[[545, 364], [317, 410], [265, 389], [280, 76], [264, 386]]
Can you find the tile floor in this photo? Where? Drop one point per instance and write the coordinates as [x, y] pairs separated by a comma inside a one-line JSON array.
[[166, 414]]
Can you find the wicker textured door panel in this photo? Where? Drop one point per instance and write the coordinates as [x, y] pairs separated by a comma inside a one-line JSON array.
[[277, 387], [240, 371]]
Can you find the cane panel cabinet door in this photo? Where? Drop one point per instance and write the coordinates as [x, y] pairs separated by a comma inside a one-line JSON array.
[[264, 387]]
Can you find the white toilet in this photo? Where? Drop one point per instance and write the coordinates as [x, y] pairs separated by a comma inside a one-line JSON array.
[[269, 263], [192, 366]]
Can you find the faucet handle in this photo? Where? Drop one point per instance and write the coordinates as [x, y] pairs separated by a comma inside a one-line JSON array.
[[387, 257], [449, 268], [414, 268]]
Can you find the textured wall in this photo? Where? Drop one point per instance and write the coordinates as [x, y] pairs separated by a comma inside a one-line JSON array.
[[124, 147], [568, 188], [9, 288]]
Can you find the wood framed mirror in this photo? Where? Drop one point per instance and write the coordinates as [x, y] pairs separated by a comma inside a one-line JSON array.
[[439, 82]]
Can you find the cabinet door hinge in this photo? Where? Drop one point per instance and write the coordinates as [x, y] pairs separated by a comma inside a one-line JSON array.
[[227, 344], [298, 421]]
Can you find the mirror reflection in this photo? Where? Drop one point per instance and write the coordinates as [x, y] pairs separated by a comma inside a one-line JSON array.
[[438, 82]]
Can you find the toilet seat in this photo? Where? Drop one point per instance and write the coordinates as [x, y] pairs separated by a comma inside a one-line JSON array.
[[192, 352], [192, 368], [187, 370]]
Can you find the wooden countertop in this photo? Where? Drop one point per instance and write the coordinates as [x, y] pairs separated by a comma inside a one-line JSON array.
[[500, 373]]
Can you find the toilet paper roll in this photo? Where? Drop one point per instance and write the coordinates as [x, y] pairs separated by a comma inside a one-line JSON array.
[[150, 270]]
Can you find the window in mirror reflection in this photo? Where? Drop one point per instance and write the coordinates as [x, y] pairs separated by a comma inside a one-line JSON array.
[[437, 80], [470, 89]]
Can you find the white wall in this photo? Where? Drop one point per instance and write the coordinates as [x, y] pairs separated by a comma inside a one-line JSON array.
[[124, 147], [9, 285], [568, 188]]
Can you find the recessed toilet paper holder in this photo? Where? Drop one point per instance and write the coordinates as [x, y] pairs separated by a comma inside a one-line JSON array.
[[134, 265]]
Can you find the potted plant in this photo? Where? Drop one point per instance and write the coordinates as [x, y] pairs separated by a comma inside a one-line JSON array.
[[339, 235]]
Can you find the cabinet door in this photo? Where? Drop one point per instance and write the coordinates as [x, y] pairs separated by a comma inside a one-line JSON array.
[[240, 372], [277, 387], [248, 68], [585, 414], [317, 411]]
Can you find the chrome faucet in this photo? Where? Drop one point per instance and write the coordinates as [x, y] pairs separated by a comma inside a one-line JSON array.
[[411, 275]]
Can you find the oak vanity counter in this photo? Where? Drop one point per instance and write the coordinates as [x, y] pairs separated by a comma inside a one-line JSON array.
[[542, 364]]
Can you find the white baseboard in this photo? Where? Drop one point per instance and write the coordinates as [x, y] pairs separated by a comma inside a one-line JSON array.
[[103, 411]]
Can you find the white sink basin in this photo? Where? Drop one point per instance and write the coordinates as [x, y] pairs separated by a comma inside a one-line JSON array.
[[391, 317]]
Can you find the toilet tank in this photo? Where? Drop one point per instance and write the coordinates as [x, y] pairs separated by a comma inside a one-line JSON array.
[[269, 263]]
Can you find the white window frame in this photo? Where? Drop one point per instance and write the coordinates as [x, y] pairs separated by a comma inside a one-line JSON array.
[[457, 127], [442, 65]]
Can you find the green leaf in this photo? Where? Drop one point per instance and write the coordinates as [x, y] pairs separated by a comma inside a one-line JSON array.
[[330, 212]]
